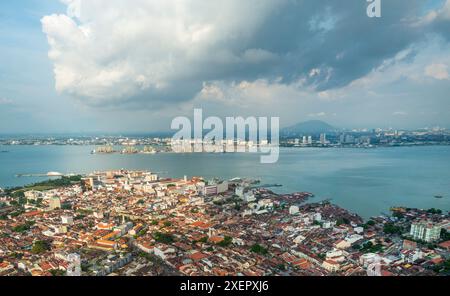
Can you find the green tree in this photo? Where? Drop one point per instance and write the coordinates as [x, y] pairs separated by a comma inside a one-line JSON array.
[[390, 228], [57, 272], [445, 235], [342, 221], [434, 211], [398, 215], [203, 240], [226, 241], [165, 238], [258, 249], [66, 206], [24, 227], [40, 247]]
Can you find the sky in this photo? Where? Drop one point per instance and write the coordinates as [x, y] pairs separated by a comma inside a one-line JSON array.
[[132, 66]]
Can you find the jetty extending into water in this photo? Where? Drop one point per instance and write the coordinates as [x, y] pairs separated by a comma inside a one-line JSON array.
[[49, 174]]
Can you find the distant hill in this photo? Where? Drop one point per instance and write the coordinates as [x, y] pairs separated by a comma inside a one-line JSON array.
[[308, 127]]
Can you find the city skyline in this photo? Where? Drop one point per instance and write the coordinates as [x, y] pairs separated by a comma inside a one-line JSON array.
[[68, 66]]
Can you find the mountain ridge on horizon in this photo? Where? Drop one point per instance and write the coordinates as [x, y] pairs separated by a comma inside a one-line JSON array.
[[310, 126], [300, 128]]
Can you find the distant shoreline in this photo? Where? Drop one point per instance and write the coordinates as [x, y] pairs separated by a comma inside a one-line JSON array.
[[383, 177], [72, 179], [281, 146]]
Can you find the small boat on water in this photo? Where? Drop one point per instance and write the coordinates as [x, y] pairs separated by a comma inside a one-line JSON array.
[[439, 196]]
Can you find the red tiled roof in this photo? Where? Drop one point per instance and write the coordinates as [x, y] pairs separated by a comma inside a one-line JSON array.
[[386, 273], [32, 214], [216, 239], [197, 256], [445, 244], [201, 224], [437, 260]]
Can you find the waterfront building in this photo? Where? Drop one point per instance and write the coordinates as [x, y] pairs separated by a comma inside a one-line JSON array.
[[210, 190], [130, 150], [148, 150], [222, 187], [317, 217], [104, 149], [293, 210], [425, 231], [323, 139], [249, 197], [349, 139], [239, 191], [150, 177]]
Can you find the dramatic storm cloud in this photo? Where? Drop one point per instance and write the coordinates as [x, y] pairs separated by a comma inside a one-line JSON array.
[[149, 52]]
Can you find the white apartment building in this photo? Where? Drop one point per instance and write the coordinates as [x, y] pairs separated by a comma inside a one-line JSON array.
[[425, 231]]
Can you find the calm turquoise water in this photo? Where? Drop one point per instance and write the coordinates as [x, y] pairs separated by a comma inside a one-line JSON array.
[[365, 181]]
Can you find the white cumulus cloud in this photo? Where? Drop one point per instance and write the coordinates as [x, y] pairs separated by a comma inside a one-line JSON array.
[[109, 50]]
